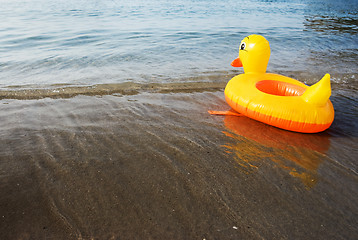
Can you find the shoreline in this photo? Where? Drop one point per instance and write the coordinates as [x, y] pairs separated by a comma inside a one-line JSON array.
[[126, 88], [207, 82]]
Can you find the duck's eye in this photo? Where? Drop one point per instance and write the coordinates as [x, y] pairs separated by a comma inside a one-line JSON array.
[[242, 46]]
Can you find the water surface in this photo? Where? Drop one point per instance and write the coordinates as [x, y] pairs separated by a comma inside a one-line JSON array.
[[95, 42]]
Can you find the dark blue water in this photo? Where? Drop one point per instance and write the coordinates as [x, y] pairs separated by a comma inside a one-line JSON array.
[[47, 42]]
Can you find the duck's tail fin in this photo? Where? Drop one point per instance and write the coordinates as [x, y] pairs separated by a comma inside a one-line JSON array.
[[319, 92]]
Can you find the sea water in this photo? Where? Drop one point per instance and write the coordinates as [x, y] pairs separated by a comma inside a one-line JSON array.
[[47, 43]]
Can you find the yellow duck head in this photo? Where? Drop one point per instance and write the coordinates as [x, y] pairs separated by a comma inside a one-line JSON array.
[[254, 54]]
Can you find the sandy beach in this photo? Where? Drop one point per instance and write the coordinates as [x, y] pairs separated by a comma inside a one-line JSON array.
[[158, 166]]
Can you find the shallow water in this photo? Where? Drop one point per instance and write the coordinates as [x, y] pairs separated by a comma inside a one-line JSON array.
[[105, 133], [159, 166]]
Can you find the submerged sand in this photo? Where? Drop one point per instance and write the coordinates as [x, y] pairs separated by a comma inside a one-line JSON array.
[[158, 166]]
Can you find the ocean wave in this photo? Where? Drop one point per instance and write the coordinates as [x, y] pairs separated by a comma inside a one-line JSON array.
[[206, 81], [127, 88]]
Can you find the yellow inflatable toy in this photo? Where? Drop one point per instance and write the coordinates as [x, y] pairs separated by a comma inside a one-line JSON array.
[[274, 99]]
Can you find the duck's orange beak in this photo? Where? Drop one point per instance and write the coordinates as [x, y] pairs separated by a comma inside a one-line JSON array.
[[236, 63]]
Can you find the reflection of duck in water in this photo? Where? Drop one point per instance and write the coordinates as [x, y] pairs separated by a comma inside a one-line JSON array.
[[275, 99], [299, 154]]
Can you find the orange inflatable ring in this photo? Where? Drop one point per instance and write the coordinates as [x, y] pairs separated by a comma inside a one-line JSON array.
[[274, 99]]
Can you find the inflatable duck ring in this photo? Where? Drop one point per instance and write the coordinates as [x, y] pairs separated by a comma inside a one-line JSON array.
[[274, 99]]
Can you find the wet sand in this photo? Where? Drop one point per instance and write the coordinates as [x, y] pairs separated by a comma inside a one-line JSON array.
[[158, 166]]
